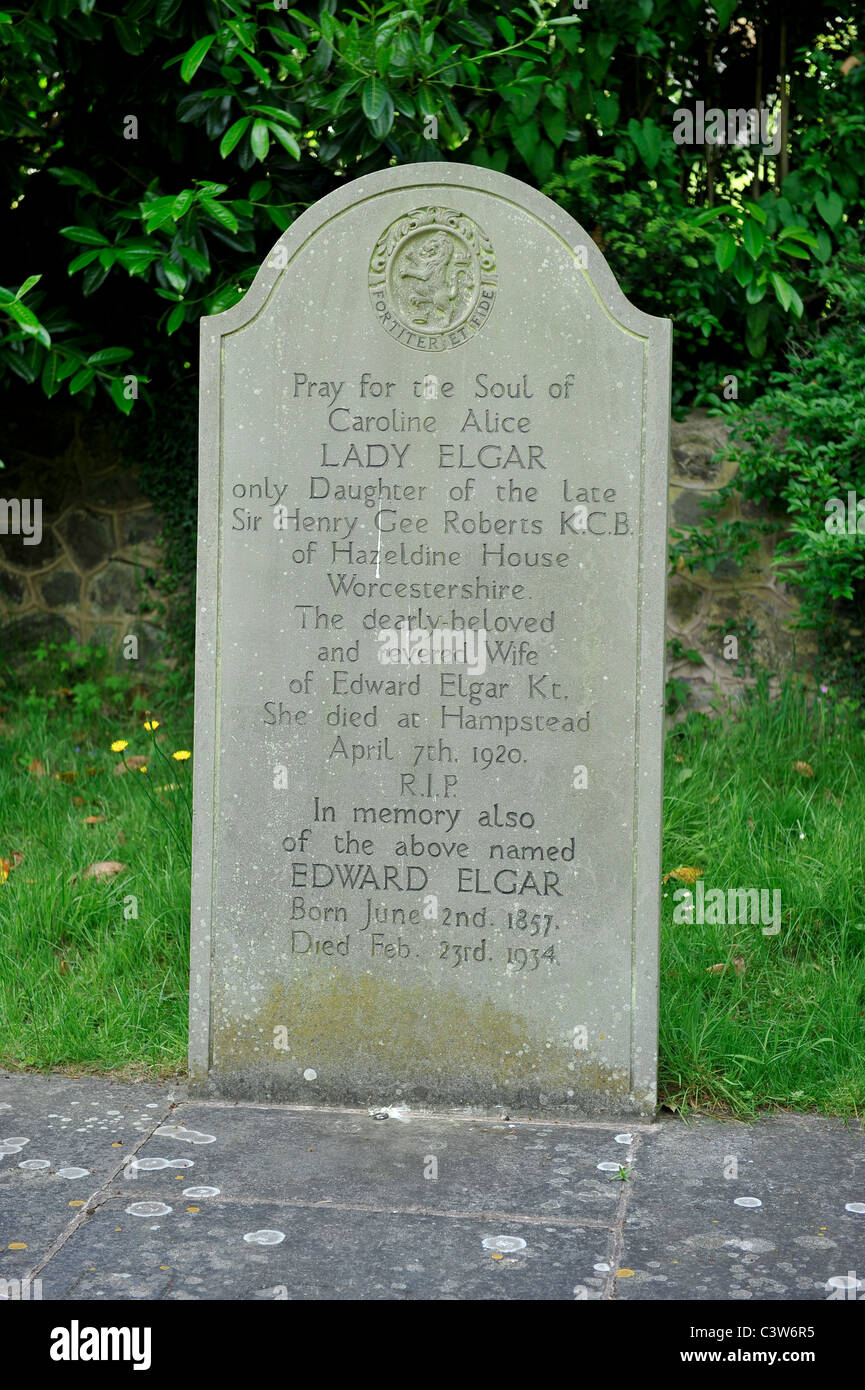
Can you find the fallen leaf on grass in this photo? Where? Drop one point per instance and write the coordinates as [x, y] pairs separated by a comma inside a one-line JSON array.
[[738, 966], [63, 967], [65, 776], [93, 820], [104, 868], [805, 768], [37, 768], [684, 874], [132, 763], [78, 801], [7, 865]]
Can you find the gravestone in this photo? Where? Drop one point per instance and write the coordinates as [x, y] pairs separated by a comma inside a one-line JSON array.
[[429, 693]]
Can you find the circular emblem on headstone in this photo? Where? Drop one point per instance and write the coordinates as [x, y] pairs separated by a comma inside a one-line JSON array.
[[432, 279]]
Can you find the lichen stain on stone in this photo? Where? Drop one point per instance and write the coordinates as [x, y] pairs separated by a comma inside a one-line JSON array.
[[362, 1033]]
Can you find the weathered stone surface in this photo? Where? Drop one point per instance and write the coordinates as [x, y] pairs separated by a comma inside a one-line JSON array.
[[439, 414], [138, 528], [116, 588], [89, 539], [152, 642], [61, 588], [689, 507], [683, 601], [693, 443], [13, 590], [19, 554], [53, 481], [116, 489], [427, 1207]]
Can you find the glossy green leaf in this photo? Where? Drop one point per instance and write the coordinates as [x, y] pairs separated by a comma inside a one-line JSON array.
[[233, 135], [195, 56]]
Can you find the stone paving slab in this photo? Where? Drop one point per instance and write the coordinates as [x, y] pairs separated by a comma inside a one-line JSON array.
[[84, 1126], [326, 1254], [415, 1206], [352, 1158], [685, 1229]]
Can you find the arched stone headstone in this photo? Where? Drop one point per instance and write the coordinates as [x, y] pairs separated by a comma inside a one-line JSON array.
[[429, 699]]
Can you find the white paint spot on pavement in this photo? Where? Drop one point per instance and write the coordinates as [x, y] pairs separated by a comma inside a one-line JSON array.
[[73, 1172], [34, 1163], [857, 1207], [191, 1136], [747, 1201], [152, 1165], [844, 1281], [310, 1074], [504, 1244], [201, 1191], [148, 1209], [264, 1237]]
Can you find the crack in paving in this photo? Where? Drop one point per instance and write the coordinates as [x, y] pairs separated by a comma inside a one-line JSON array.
[[617, 1241], [373, 1209], [96, 1200]]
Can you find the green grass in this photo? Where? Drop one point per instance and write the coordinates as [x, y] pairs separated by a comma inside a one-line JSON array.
[[83, 980], [790, 1029], [85, 984]]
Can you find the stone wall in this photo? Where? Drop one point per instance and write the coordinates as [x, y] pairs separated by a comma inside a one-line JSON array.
[[745, 601], [95, 574]]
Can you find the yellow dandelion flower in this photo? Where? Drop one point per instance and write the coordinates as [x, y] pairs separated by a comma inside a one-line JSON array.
[[142, 769], [181, 755], [119, 744], [151, 725]]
